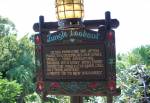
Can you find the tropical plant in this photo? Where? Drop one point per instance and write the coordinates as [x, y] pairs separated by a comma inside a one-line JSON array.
[[9, 90]]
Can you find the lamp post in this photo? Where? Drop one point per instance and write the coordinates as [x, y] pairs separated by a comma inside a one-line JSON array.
[[69, 14], [77, 80]]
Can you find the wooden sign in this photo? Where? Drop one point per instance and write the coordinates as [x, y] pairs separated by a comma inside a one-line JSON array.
[[79, 56], [76, 62]]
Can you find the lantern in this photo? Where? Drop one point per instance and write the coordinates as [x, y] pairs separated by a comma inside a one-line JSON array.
[[69, 13], [66, 9]]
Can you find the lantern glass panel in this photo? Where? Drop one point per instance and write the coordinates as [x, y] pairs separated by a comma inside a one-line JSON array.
[[77, 1], [69, 14], [60, 8], [68, 7], [78, 14], [59, 2], [61, 15], [68, 1], [77, 7]]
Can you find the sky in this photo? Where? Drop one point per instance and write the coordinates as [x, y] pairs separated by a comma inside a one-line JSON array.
[[133, 15]]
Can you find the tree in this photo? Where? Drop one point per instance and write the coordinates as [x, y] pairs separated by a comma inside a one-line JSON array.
[[142, 54], [24, 70], [127, 65], [17, 62], [9, 53], [7, 27]]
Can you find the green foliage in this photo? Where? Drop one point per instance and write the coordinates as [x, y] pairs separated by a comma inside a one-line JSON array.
[[143, 54], [0, 75], [129, 85], [64, 99], [17, 61], [127, 65], [24, 69], [23, 76], [33, 98], [9, 90], [58, 99], [49, 99], [7, 27], [90, 99], [8, 51]]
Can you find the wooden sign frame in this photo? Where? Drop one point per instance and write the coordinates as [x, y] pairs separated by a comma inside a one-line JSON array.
[[83, 83]]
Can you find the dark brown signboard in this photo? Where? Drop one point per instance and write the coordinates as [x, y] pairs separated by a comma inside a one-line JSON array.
[[77, 55], [75, 62]]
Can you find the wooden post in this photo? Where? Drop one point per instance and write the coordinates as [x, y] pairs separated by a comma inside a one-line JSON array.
[[109, 99], [76, 99]]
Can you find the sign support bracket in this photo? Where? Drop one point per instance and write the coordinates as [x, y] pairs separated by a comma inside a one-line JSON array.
[[109, 99], [76, 99]]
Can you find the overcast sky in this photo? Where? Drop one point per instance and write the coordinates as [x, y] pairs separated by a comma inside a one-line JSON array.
[[134, 17]]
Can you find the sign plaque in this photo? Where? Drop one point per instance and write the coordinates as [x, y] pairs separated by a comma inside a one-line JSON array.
[[74, 56], [75, 63]]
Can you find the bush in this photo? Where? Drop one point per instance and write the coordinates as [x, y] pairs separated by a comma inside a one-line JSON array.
[[9, 90]]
